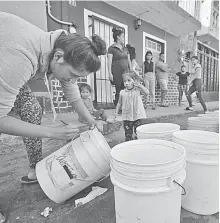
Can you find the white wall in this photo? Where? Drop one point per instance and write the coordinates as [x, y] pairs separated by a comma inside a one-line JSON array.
[[32, 11], [205, 13]]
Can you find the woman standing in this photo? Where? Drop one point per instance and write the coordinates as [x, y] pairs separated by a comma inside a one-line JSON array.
[[149, 76], [183, 85], [118, 61], [135, 66]]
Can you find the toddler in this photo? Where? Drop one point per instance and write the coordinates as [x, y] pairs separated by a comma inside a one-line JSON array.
[[131, 103], [86, 91]]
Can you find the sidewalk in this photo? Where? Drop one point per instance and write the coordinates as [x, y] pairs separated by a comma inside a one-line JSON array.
[[152, 116], [24, 203]]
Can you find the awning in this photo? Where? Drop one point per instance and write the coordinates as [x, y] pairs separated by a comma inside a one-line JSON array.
[[166, 15]]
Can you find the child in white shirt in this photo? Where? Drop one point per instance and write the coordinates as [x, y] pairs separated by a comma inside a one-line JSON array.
[[131, 103]]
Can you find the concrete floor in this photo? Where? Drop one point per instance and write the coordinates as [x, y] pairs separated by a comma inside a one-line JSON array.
[[25, 203]]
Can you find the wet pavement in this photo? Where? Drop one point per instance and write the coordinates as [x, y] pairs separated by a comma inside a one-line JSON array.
[[24, 203]]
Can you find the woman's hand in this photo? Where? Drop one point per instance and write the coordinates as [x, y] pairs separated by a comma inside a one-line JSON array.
[[64, 132], [94, 124]]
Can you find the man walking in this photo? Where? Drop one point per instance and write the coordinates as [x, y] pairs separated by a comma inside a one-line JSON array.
[[162, 73]]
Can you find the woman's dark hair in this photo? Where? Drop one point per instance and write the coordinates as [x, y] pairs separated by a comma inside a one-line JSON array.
[[116, 33], [183, 66], [195, 57], [81, 52], [148, 53], [85, 86], [131, 51]]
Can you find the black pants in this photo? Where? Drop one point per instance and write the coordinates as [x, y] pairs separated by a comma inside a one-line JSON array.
[[196, 86], [130, 127]]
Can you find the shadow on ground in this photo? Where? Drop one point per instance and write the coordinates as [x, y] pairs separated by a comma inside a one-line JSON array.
[[25, 203]]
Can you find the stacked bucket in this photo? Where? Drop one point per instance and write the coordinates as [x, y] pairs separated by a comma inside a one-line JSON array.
[[205, 122], [202, 172], [167, 168]]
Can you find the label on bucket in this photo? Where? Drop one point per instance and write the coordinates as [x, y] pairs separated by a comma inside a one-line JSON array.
[[64, 169]]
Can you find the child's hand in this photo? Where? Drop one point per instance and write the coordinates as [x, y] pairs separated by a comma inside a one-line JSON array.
[[137, 84]]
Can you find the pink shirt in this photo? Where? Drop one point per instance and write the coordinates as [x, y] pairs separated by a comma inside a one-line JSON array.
[[132, 105]]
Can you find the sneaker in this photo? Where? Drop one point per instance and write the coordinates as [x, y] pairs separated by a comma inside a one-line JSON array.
[[189, 108], [153, 107]]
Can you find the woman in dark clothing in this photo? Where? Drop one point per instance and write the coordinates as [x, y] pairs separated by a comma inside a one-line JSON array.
[[118, 61], [149, 76], [135, 66], [183, 82]]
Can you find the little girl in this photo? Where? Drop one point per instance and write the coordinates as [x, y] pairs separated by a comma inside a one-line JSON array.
[[131, 103], [86, 91]]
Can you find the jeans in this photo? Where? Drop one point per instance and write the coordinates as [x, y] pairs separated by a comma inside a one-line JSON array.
[[196, 86], [149, 81]]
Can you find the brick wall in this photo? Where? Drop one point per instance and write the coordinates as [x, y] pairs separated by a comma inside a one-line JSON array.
[[59, 101], [62, 105], [172, 95]]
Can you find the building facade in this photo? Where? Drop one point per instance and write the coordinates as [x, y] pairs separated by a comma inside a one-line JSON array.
[[162, 25], [208, 46], [166, 26]]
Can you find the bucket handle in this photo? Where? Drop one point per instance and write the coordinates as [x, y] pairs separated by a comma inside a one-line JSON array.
[[184, 190]]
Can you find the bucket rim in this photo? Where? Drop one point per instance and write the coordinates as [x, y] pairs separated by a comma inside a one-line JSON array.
[[181, 149], [151, 124], [102, 152], [94, 139], [203, 118], [143, 190], [175, 134]]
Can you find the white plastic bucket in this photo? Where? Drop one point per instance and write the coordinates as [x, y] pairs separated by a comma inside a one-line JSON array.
[[157, 131], [147, 175], [75, 166], [202, 169], [205, 123], [211, 114]]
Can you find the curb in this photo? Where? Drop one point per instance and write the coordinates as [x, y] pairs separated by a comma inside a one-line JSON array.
[[109, 128]]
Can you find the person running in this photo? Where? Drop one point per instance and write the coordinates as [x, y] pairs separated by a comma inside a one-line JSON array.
[[196, 84], [118, 61], [162, 74], [131, 103], [149, 76], [183, 82]]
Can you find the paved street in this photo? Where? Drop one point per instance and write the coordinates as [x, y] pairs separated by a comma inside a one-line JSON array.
[[25, 203]]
